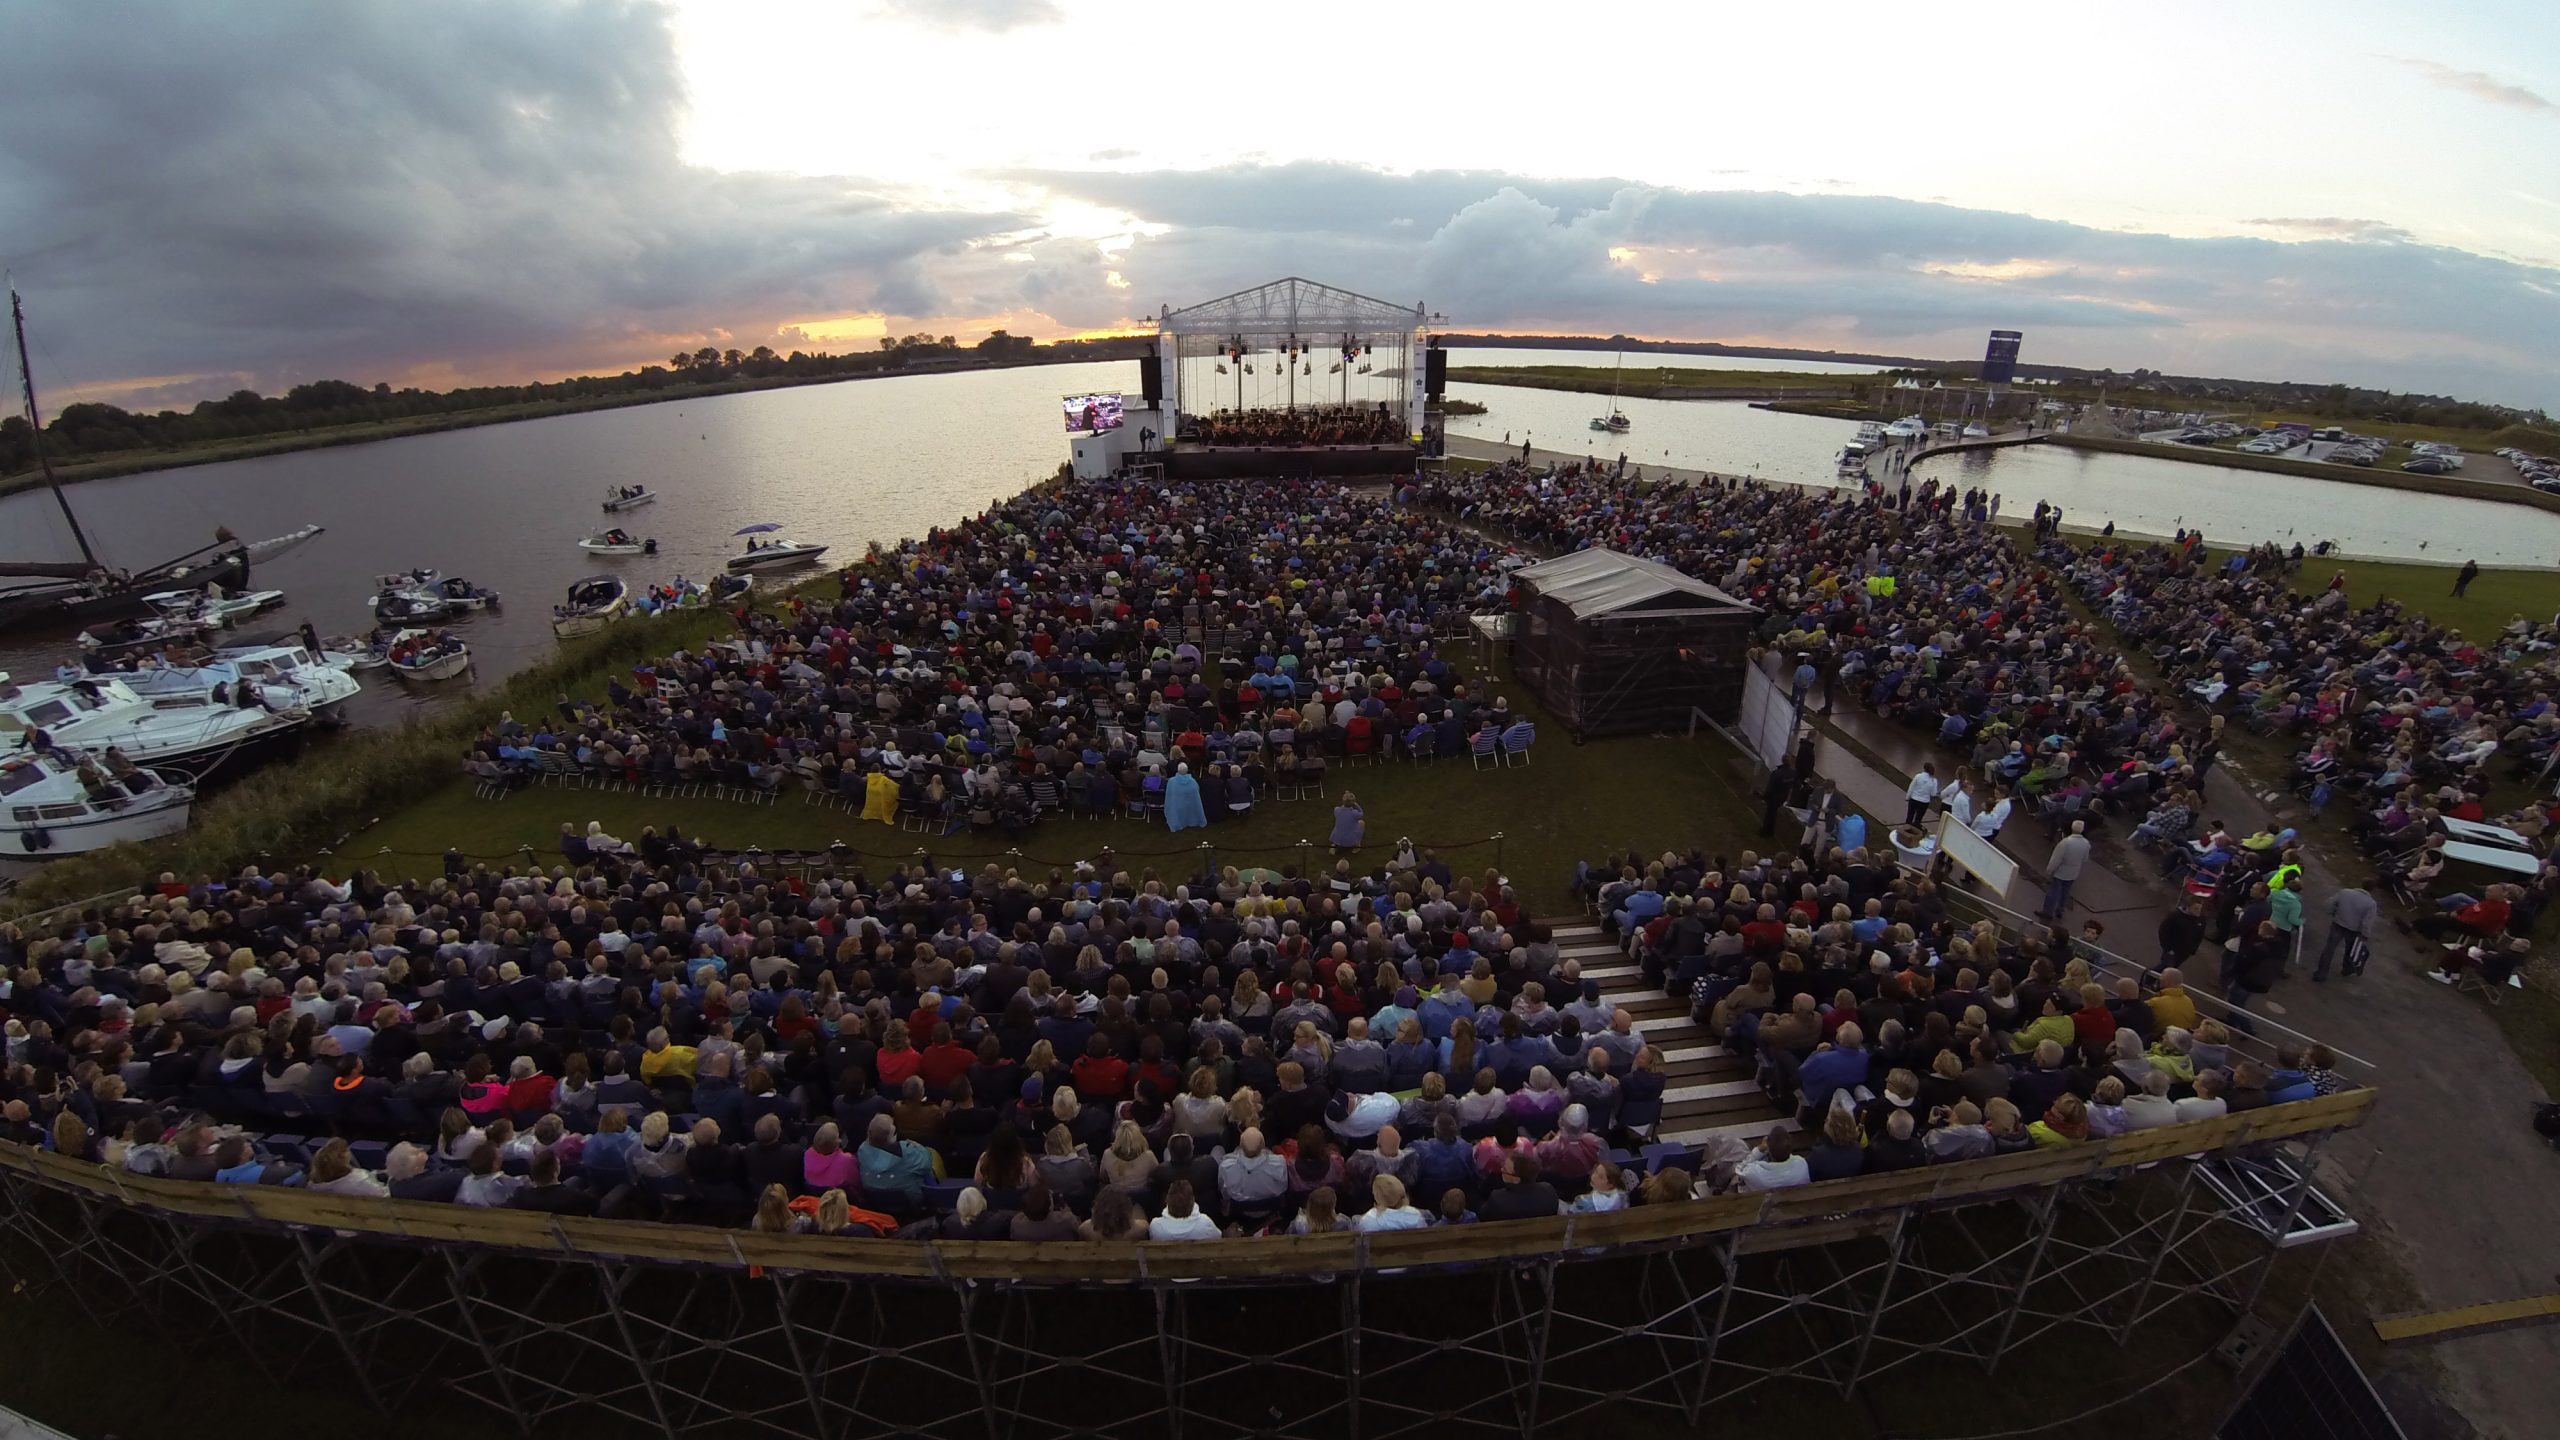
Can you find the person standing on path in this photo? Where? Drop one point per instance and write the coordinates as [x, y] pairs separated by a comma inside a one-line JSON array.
[[1922, 792], [2462, 582], [2284, 907], [1782, 783], [2062, 869], [2351, 915]]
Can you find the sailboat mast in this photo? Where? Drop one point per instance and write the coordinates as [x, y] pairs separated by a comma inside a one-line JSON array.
[[35, 425]]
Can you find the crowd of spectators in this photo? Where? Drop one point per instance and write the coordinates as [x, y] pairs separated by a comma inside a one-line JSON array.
[[1304, 426], [1902, 1035], [1070, 650]]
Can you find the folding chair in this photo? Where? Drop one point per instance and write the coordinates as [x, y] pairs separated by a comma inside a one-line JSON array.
[[1516, 742], [1483, 746]]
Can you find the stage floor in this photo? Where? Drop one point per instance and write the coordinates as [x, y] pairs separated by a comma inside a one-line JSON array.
[[1219, 462]]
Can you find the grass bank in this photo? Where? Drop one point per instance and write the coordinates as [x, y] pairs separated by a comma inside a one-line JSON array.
[[1653, 381], [1569, 803], [298, 807]]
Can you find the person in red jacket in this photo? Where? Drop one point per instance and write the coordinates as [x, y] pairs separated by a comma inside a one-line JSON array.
[[2481, 919], [1100, 1076], [2093, 1024], [944, 1061]]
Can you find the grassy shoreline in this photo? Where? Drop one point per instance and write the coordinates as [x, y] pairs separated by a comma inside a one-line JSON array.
[[1654, 382]]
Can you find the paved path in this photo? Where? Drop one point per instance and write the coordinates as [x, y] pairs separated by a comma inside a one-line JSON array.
[[2447, 1174]]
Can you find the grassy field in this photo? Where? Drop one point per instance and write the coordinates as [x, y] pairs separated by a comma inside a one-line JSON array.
[[1569, 803], [1649, 380], [2497, 597]]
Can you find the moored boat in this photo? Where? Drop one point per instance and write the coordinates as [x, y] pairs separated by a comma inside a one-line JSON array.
[[763, 554], [101, 715], [427, 655], [618, 541], [56, 804], [283, 677], [594, 602]]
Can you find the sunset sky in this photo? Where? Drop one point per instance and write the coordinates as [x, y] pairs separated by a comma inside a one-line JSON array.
[[198, 197]]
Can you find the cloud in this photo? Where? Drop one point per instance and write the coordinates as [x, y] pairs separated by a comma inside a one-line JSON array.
[[991, 16], [481, 187], [2485, 87], [2334, 299], [2331, 227], [1105, 157]]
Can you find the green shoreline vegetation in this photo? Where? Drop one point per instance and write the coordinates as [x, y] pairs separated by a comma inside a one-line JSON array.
[[1653, 381]]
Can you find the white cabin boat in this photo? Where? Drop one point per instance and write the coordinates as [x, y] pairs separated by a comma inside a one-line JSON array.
[[776, 555], [1909, 427], [286, 677], [48, 807], [594, 603], [187, 733]]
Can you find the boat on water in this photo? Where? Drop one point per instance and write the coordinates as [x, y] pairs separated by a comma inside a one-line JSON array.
[[283, 677], [427, 655], [353, 653], [213, 606], [99, 714], [765, 554], [1616, 421], [69, 592], [1868, 441], [628, 497], [1909, 427], [594, 603], [618, 541], [55, 804]]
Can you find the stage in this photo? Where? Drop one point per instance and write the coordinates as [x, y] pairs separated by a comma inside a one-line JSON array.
[[1233, 462]]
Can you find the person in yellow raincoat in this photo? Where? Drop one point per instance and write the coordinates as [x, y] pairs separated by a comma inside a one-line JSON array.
[[880, 799]]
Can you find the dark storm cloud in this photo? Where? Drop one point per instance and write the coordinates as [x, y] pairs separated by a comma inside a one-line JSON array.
[[280, 192], [2333, 299]]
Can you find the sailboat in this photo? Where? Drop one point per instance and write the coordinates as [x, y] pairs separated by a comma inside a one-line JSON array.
[[67, 591], [1616, 421]]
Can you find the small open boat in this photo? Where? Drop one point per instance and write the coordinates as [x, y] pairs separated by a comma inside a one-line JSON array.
[[426, 655], [593, 604], [763, 554], [617, 542], [628, 497], [213, 605], [464, 596], [353, 652]]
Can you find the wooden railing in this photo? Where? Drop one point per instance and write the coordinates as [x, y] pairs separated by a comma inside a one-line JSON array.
[[1808, 1214]]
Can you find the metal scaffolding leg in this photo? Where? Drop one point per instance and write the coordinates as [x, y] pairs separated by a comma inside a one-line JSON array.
[[2027, 1278], [1883, 1302], [2160, 1255]]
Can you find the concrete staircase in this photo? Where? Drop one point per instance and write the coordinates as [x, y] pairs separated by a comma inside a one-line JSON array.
[[1710, 1092]]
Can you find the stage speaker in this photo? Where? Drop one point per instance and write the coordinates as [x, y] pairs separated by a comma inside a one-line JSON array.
[[1435, 372], [1151, 379]]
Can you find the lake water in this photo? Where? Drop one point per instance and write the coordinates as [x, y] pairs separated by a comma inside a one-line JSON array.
[[851, 463]]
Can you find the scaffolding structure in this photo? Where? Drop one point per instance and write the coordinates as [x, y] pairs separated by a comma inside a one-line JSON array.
[[1514, 1329], [1291, 344]]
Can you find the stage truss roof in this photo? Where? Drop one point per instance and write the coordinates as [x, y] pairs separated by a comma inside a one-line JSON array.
[[1292, 307]]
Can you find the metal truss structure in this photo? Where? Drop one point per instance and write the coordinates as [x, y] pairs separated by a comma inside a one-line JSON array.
[[1524, 1329], [1292, 342]]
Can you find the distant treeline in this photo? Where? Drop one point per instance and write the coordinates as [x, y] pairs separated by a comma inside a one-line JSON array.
[[89, 430]]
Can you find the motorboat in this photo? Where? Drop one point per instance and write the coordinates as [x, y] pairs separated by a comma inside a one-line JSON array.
[[213, 605], [1869, 440], [427, 655], [284, 677], [1909, 427], [628, 497], [764, 554], [463, 596], [55, 804], [352, 653], [617, 542], [413, 605], [594, 602], [143, 634], [188, 732], [729, 589]]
